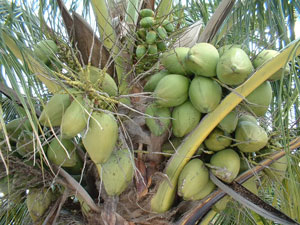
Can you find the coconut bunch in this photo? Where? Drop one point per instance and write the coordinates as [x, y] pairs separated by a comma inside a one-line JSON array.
[[192, 83], [152, 36]]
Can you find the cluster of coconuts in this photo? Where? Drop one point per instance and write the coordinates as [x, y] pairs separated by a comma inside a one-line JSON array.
[[188, 88], [152, 34]]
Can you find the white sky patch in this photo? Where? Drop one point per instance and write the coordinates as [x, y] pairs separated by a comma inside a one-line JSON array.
[[297, 28]]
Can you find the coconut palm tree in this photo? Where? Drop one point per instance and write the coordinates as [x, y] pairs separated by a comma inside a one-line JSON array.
[[82, 141]]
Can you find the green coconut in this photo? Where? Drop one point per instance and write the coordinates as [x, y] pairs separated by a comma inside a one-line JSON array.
[[62, 152], [259, 100], [226, 165], [45, 49], [54, 110], [229, 123], [250, 137], [267, 55], [15, 127], [220, 206], [251, 185], [174, 60], [192, 179], [100, 80], [210, 186], [202, 59], [161, 122], [172, 90], [75, 170], [277, 169], [217, 140], [234, 67], [205, 94], [225, 48], [117, 172], [154, 79], [247, 117], [185, 119], [25, 143], [38, 201]]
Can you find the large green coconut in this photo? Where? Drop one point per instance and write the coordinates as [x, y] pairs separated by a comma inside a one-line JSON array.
[[234, 67], [62, 152], [185, 119], [25, 143], [217, 140], [209, 187], [202, 59], [172, 90], [226, 165], [174, 60], [267, 55], [154, 79], [247, 117], [192, 179], [229, 123], [225, 48], [250, 137], [205, 94], [38, 201], [159, 121], [260, 99]]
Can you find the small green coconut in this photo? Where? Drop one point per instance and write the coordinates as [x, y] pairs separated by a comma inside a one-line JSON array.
[[62, 153], [205, 94], [174, 60], [260, 99], [161, 122], [251, 185], [25, 143], [172, 90], [226, 165], [217, 140], [229, 123], [192, 179], [154, 79], [250, 137], [202, 59], [185, 119], [44, 50], [234, 67], [267, 55]]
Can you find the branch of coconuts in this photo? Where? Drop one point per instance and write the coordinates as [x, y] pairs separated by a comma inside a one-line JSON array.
[[73, 185], [204, 205]]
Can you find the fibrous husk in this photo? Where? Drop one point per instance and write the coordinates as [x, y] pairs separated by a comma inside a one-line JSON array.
[[202, 59], [100, 80], [227, 163], [205, 94], [172, 90], [117, 172], [62, 152], [54, 110], [229, 123], [185, 118], [250, 137], [38, 201], [174, 60], [234, 67], [260, 99], [217, 140], [45, 49], [75, 118], [161, 122], [101, 136], [267, 55], [209, 187], [154, 79], [192, 179]]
